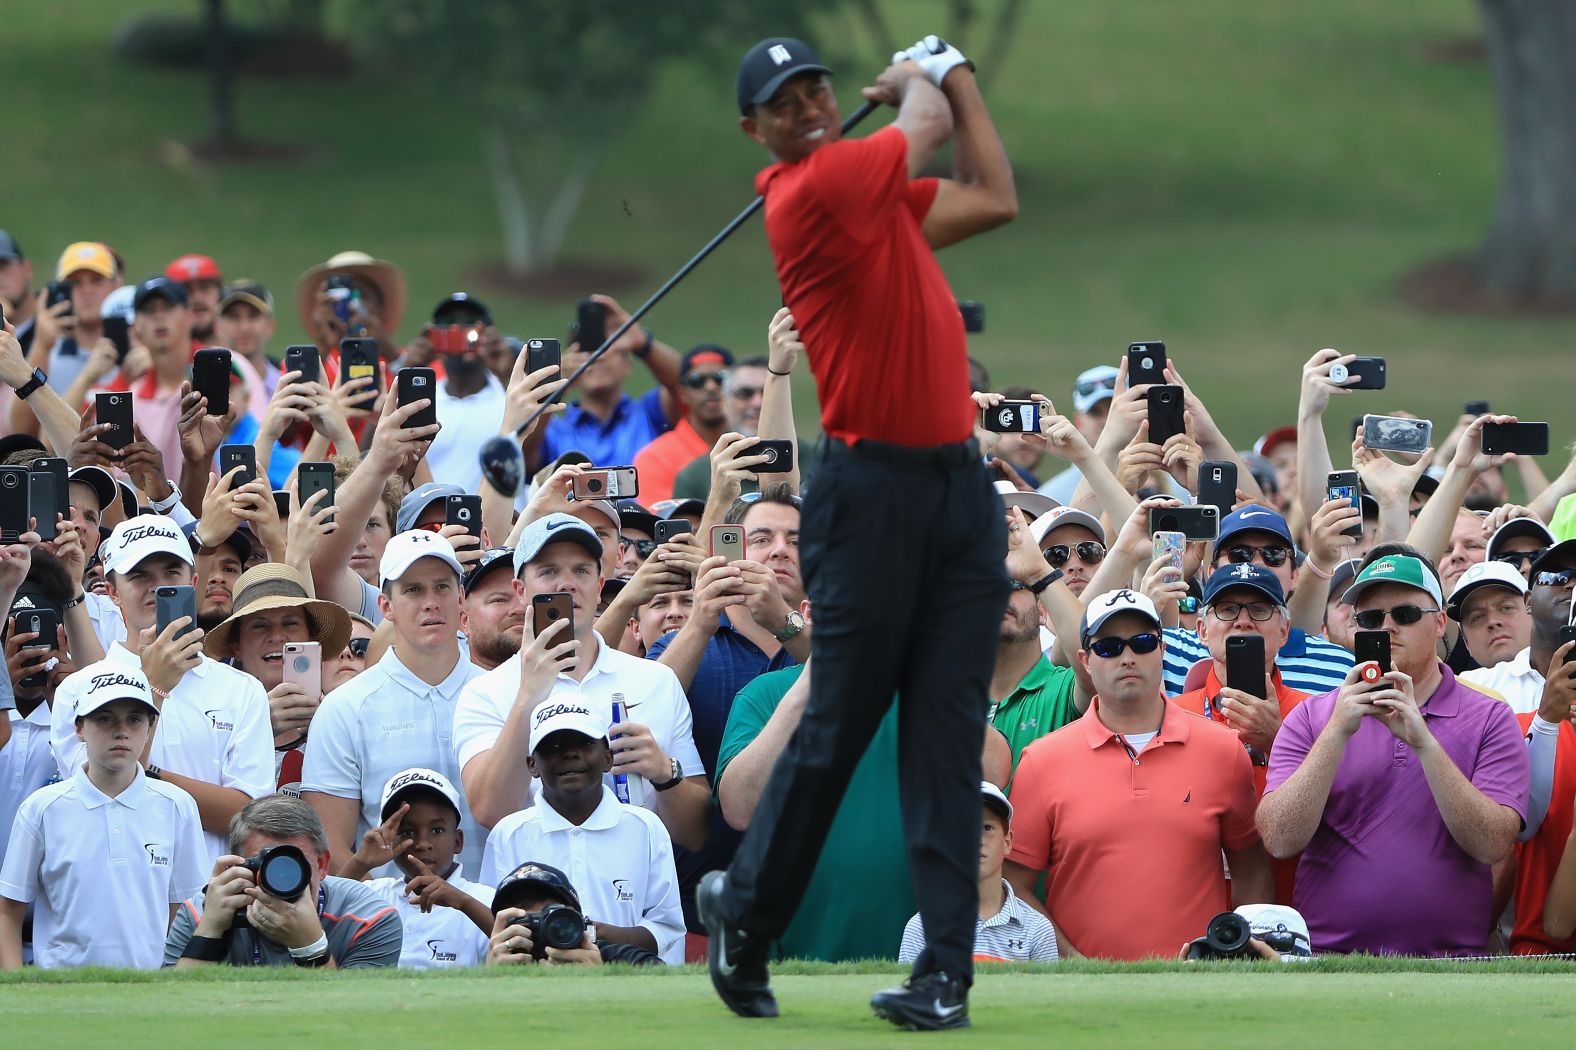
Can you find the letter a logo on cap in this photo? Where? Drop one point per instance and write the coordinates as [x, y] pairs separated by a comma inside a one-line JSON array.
[[779, 55]]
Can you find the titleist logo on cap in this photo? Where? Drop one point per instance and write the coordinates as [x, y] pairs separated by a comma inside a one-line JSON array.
[[139, 532], [544, 713], [405, 780], [109, 678]]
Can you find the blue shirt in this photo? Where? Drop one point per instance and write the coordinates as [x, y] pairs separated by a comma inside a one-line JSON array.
[[632, 426], [1310, 665], [281, 462]]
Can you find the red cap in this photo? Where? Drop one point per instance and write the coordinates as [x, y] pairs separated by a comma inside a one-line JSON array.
[[193, 268], [1278, 436]]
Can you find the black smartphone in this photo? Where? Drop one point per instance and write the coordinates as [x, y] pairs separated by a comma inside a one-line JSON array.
[[1397, 434], [1475, 408], [542, 353], [1217, 485], [58, 292], [548, 609], [1524, 439], [1165, 413], [282, 502], [45, 624], [114, 409], [13, 503], [60, 481], [781, 452], [1245, 664], [211, 378], [304, 358], [358, 358], [1012, 417], [1343, 485], [1146, 363], [464, 510], [413, 385], [315, 478], [243, 456], [1567, 634], [1368, 373], [590, 324], [1372, 646], [973, 315], [117, 331], [43, 503], [663, 531], [170, 604], [1197, 523]]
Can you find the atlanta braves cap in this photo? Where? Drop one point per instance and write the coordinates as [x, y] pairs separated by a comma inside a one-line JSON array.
[[765, 67], [1114, 603]]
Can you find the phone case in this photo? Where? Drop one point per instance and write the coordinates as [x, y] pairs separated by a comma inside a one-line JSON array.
[[590, 317], [43, 503], [1197, 523], [1397, 433], [304, 667], [1146, 363], [1524, 439], [1165, 412], [1010, 417], [282, 502], [414, 385], [1374, 646], [358, 358], [663, 531], [117, 331], [44, 623], [1245, 664], [114, 409], [232, 456], [727, 541], [1343, 485], [211, 378], [1217, 485], [13, 503], [466, 511], [317, 477], [547, 609], [171, 603], [541, 353], [306, 360], [781, 451], [1171, 544]]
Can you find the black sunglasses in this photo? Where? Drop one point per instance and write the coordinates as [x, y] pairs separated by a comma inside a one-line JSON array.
[[643, 548], [358, 647], [1109, 648], [1558, 578], [1519, 558], [1089, 386], [1271, 556], [1089, 552], [696, 380], [1403, 615], [1187, 606]]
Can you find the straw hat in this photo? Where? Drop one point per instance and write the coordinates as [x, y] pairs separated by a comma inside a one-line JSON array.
[[389, 278], [274, 586]]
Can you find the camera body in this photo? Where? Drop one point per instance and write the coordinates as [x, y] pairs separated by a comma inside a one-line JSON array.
[[555, 926], [1226, 937], [282, 871]]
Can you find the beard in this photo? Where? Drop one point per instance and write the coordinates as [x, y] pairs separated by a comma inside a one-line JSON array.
[[1020, 628], [495, 648], [211, 616]]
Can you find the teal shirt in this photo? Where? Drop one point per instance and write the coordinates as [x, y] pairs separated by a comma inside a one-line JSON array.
[[859, 896]]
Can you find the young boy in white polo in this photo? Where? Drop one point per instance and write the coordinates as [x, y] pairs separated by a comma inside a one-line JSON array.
[[106, 855], [618, 858], [447, 918], [1007, 930]]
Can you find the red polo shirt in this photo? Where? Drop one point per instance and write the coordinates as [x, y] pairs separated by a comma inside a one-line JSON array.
[[1539, 857], [877, 316]]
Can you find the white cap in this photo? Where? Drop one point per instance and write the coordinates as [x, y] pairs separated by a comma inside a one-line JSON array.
[[407, 548], [995, 798], [119, 303], [141, 537], [1484, 574], [571, 711], [1114, 603], [109, 682], [1033, 503], [1059, 516], [1518, 527], [419, 777], [1281, 927]]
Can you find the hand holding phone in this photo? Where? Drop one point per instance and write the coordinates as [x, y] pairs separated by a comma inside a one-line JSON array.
[[727, 541], [1146, 364], [416, 384], [548, 609], [1343, 485]]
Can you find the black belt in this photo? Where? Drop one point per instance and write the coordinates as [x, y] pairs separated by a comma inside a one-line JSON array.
[[956, 455]]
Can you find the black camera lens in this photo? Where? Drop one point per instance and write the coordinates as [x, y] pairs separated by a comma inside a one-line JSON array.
[[282, 871], [1228, 933], [594, 484], [558, 926]]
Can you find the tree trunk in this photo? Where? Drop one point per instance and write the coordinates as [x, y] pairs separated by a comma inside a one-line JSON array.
[[560, 211], [221, 76], [1530, 249], [513, 210]]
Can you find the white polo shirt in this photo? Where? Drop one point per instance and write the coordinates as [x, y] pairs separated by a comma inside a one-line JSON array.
[[213, 727], [381, 722], [1515, 680], [467, 424], [107, 623], [620, 862], [102, 872], [649, 690], [26, 764], [444, 938]]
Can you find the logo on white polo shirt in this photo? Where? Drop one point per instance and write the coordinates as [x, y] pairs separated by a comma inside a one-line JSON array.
[[397, 727], [440, 953], [1015, 944], [158, 854], [621, 888], [222, 726]]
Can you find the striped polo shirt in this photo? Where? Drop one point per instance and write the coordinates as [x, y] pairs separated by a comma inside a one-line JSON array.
[[1308, 665], [1017, 933]]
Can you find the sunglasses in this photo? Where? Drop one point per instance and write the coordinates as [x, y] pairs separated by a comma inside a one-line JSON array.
[[755, 497], [1089, 552], [358, 647], [1560, 578], [1090, 386], [1520, 558], [745, 393], [1109, 648], [696, 380], [1228, 612], [1272, 557], [1188, 606], [431, 526], [1403, 615], [643, 548]]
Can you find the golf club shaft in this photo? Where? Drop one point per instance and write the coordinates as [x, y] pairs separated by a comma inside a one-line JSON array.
[[738, 220]]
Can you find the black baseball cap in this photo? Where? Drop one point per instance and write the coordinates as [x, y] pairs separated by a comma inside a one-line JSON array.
[[461, 303], [705, 354], [494, 558], [529, 882], [160, 287], [766, 66], [9, 249]]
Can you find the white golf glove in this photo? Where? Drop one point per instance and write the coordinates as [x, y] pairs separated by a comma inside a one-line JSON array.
[[935, 56]]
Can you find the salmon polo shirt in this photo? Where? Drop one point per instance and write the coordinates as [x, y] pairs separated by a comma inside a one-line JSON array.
[[1130, 841]]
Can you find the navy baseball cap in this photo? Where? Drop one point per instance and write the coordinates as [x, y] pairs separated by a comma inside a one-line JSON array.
[[415, 503], [495, 558], [461, 303], [766, 66], [1247, 574], [9, 249], [1254, 518], [531, 881], [160, 287]]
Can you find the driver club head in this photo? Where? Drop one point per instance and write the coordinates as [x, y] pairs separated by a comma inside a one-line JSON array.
[[503, 465]]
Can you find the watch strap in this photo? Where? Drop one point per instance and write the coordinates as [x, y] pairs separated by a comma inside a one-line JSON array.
[[38, 380], [678, 776], [1039, 585]]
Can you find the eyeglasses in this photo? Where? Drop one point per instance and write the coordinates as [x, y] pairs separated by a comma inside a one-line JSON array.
[[746, 393], [1229, 612], [1273, 557], [755, 497], [358, 647], [696, 380], [1089, 552], [1141, 644], [1520, 558], [1187, 606], [1403, 615], [1559, 578], [643, 548]]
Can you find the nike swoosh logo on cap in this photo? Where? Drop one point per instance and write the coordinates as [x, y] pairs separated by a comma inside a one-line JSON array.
[[1255, 514], [557, 525]]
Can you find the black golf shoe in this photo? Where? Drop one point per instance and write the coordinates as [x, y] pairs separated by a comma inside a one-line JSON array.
[[926, 1002], [736, 960]]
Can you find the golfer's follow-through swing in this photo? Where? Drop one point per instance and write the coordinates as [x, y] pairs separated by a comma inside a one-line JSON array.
[[901, 541]]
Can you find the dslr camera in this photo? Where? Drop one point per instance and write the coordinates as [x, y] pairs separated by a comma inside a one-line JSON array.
[[282, 871], [555, 926], [1226, 937]]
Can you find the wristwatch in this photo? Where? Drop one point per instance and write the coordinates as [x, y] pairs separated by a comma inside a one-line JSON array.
[[153, 772], [793, 623], [678, 777], [38, 380], [162, 506]]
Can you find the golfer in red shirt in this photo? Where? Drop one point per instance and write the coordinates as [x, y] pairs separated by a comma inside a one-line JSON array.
[[901, 538]]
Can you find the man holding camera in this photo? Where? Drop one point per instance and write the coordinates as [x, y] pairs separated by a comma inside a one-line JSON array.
[[522, 904], [272, 902]]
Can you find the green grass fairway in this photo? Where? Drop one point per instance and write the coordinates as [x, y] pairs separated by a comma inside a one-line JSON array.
[[1336, 1004]]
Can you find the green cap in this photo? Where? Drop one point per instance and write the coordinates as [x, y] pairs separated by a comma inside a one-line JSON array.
[[1396, 568]]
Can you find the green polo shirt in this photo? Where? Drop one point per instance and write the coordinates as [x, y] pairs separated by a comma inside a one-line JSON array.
[[859, 897], [1042, 704]]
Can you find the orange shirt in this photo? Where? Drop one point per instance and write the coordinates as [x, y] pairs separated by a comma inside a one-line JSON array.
[[1131, 843], [1205, 701], [660, 462], [1539, 857]]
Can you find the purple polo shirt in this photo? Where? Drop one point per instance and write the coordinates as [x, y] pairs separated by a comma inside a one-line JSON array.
[[1382, 873]]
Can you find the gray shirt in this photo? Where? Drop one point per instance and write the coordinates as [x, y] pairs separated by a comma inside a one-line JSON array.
[[363, 931]]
